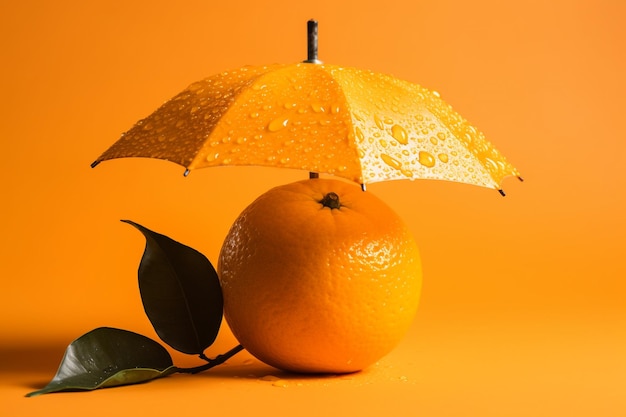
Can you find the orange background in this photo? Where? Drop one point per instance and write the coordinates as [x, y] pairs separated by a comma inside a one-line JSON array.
[[524, 300]]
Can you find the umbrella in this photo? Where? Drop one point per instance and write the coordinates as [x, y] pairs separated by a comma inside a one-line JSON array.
[[352, 123]]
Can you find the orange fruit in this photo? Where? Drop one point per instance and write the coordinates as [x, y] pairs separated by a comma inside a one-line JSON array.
[[319, 276]]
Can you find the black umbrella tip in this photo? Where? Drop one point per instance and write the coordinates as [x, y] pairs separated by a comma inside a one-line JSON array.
[[95, 163], [312, 42]]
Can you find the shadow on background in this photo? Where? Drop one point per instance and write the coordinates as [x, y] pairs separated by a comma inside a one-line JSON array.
[[20, 358]]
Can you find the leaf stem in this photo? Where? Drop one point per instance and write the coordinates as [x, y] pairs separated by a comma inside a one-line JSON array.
[[211, 362]]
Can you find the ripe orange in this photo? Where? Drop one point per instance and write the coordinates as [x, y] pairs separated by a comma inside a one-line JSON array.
[[310, 288]]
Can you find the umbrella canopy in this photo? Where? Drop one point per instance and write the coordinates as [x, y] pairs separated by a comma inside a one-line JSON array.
[[352, 123]]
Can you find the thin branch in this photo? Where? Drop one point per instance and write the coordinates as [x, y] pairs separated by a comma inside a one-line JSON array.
[[211, 362]]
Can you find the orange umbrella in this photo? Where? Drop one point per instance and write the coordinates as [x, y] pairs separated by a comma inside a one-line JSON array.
[[352, 123]]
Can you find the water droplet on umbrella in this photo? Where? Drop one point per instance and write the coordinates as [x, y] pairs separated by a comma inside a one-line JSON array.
[[436, 94], [212, 157], [335, 108], [433, 140], [379, 122], [441, 135], [392, 162], [443, 157], [426, 159], [383, 143], [359, 134], [400, 134], [491, 164], [148, 126], [277, 124], [318, 108], [254, 115], [407, 173]]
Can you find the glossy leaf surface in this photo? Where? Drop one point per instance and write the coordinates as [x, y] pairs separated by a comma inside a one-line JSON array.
[[108, 357], [181, 293]]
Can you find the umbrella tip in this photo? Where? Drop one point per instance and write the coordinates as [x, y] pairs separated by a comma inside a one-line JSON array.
[[502, 193], [363, 187], [95, 163], [187, 171], [312, 42]]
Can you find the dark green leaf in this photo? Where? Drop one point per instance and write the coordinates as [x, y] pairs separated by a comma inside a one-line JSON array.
[[181, 293], [107, 357]]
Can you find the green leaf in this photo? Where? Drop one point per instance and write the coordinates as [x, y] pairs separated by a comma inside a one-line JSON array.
[[181, 293], [107, 357]]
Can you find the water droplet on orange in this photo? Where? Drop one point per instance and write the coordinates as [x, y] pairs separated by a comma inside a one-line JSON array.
[[426, 159], [277, 124], [399, 134], [392, 162]]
